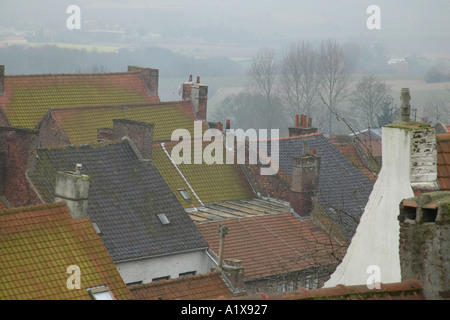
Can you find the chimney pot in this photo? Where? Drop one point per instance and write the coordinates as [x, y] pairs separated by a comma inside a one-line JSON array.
[[309, 122], [297, 121], [219, 126], [198, 79], [228, 125], [78, 168], [190, 78], [405, 108], [312, 151]]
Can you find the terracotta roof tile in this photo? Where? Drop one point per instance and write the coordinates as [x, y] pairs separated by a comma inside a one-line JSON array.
[[271, 244], [39, 243], [28, 97], [197, 287], [443, 160]]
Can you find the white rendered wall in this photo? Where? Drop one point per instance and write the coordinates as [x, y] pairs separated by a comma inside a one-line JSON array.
[[170, 265], [376, 241]]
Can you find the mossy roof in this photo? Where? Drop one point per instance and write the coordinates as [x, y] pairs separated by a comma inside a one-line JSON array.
[[210, 182], [39, 243], [80, 124], [28, 97]]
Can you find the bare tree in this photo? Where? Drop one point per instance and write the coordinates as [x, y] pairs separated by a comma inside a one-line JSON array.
[[300, 81], [369, 98], [334, 71], [436, 110]]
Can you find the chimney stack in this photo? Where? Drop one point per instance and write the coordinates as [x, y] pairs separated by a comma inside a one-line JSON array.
[[73, 188], [405, 108], [234, 273], [303, 125], [141, 133], [150, 77], [304, 182], [2, 79], [197, 93]]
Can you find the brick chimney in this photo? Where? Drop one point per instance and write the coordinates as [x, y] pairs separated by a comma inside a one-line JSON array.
[[233, 270], [425, 242], [304, 182], [150, 77], [2, 79], [303, 125], [141, 133], [198, 94], [73, 188]]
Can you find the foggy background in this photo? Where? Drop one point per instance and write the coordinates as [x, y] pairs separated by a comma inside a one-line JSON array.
[[217, 39]]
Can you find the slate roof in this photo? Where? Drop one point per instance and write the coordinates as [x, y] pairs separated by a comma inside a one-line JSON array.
[[80, 124], [343, 190], [272, 244], [39, 243], [28, 97], [204, 182], [443, 160], [125, 196], [196, 287], [352, 155]]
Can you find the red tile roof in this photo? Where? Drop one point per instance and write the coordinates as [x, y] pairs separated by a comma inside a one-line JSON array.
[[350, 152], [272, 244], [39, 243], [406, 290], [197, 287], [28, 97], [443, 160]]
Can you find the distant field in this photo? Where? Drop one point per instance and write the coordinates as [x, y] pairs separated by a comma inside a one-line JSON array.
[[78, 46]]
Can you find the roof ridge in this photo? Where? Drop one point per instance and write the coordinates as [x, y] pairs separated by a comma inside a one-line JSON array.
[[32, 208], [291, 137], [117, 106], [175, 280], [85, 145], [35, 75]]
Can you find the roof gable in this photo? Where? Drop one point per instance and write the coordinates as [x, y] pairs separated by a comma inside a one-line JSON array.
[[28, 97], [39, 243], [125, 197]]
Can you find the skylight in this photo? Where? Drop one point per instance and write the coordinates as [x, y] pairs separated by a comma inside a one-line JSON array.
[[184, 194], [163, 218], [100, 293]]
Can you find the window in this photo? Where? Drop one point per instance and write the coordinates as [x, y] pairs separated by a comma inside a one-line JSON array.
[[100, 293], [311, 283], [136, 283], [97, 229], [185, 274], [161, 278], [285, 286], [184, 194], [163, 218]]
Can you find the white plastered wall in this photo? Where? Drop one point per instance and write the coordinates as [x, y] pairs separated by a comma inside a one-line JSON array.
[[376, 240]]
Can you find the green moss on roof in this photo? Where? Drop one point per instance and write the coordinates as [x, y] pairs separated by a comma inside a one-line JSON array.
[[211, 182], [39, 243], [29, 98], [81, 124]]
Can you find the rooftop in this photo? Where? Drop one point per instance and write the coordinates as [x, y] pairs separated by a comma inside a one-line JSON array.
[[28, 97], [125, 198], [272, 244], [39, 243], [196, 287]]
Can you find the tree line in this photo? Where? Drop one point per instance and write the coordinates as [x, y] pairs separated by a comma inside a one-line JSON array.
[[315, 81]]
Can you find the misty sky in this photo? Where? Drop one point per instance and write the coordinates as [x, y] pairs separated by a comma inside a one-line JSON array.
[[406, 25]]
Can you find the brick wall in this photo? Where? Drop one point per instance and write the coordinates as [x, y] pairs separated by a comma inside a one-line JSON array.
[[18, 154], [50, 133], [141, 133], [150, 78]]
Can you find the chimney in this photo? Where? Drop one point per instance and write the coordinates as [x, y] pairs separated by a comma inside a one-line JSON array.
[[2, 79], [304, 182], [197, 93], [234, 273], [303, 126], [424, 243], [141, 133], [405, 108], [73, 188], [150, 77]]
